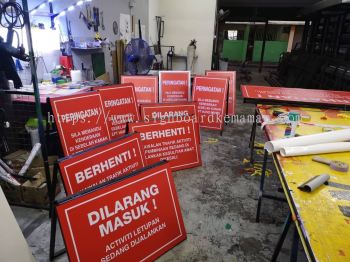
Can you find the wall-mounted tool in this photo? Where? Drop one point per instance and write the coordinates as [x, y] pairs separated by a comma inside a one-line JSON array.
[[335, 165], [96, 14], [115, 28], [86, 20], [102, 21]]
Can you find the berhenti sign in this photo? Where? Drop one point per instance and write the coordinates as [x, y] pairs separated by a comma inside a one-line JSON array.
[[102, 163], [174, 141]]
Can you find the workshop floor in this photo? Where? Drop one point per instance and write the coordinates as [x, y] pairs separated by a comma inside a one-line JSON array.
[[218, 202]]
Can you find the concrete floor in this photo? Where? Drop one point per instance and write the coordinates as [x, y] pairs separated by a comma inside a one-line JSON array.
[[218, 202]]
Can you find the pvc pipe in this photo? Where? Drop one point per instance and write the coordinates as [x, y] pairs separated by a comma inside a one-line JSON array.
[[314, 183], [322, 138], [315, 149]]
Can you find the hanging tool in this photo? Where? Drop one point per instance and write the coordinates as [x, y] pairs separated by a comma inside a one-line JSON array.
[[335, 165], [86, 20], [102, 22], [96, 18]]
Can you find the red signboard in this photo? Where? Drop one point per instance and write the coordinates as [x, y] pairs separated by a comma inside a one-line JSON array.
[[174, 86], [260, 94], [80, 121], [232, 88], [180, 111], [175, 141], [146, 88], [211, 95], [137, 218], [120, 107], [102, 163]]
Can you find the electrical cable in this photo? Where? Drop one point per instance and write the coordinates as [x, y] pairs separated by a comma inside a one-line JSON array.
[[11, 15]]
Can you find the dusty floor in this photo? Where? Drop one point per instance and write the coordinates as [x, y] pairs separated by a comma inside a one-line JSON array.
[[218, 202]]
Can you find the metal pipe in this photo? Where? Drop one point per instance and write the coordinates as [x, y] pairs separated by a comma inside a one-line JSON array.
[[263, 46]]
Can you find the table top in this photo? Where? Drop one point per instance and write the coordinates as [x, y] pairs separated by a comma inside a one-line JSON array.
[[295, 96], [324, 215]]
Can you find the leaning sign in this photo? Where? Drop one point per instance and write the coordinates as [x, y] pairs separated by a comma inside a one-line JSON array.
[[174, 141], [120, 107], [232, 88], [146, 88], [211, 95], [174, 86], [101, 164], [135, 218], [80, 121]]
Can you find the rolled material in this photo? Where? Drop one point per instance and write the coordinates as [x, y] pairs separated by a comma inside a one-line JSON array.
[[315, 149], [314, 183], [322, 138], [76, 76]]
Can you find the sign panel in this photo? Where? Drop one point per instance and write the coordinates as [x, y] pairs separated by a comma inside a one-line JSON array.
[[102, 163], [179, 111], [80, 121], [295, 95], [120, 107], [231, 90], [174, 86], [137, 218], [211, 96], [146, 88], [174, 141]]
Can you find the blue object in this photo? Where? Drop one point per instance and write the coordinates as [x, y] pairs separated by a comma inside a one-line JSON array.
[[138, 58], [18, 65]]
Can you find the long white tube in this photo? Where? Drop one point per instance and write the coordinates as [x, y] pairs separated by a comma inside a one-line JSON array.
[[322, 138], [315, 149]]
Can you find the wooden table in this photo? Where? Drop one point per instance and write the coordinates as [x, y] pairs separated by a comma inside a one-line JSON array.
[[322, 217]]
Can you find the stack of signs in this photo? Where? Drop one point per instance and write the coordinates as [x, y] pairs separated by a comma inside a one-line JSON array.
[[101, 164], [179, 111], [211, 95], [146, 88], [120, 107], [174, 86], [231, 75], [80, 121], [135, 218], [174, 141]]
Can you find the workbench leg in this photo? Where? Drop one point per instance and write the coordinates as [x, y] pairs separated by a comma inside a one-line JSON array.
[[261, 189], [252, 137], [295, 244], [282, 238]]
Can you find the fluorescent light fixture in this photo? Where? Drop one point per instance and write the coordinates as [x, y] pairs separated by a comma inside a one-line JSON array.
[[62, 13], [80, 3], [71, 8], [42, 5], [33, 12]]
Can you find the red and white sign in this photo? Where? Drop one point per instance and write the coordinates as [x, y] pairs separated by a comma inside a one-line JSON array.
[[232, 88], [211, 95], [174, 141], [174, 86], [295, 95], [120, 107], [179, 111], [135, 219], [80, 121], [101, 164], [146, 88]]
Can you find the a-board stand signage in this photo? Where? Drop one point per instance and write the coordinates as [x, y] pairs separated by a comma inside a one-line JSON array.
[[115, 158], [140, 190]]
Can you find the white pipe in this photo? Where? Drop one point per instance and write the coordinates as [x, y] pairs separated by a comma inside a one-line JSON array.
[[322, 138], [315, 149]]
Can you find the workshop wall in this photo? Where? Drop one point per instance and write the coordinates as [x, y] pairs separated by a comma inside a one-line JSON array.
[[184, 21]]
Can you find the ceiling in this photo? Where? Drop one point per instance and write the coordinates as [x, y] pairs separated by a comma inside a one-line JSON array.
[[256, 10]]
